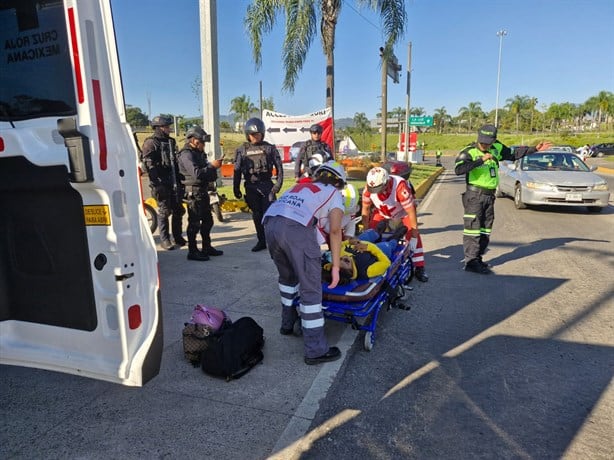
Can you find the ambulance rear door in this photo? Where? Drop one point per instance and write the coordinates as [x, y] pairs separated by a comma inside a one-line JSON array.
[[79, 288]]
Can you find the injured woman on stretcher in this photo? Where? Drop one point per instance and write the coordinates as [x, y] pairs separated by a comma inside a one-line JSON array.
[[365, 257]]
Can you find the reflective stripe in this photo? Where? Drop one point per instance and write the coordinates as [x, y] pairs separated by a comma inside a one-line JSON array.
[[287, 302], [312, 323], [307, 309], [485, 231], [469, 216], [470, 232], [288, 289]]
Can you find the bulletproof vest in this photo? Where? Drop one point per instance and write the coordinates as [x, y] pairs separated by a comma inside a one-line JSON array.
[[166, 149], [256, 162], [311, 148]]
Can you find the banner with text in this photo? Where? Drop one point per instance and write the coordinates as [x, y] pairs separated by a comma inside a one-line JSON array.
[[284, 130]]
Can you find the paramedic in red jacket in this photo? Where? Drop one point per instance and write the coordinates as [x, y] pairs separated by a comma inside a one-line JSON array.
[[393, 200]]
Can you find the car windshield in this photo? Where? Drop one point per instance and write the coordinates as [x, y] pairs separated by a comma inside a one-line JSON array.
[[551, 161]]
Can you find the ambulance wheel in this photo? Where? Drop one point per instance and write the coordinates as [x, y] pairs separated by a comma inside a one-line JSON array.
[[152, 217], [369, 340]]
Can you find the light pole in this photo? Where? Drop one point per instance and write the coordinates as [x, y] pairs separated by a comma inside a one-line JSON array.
[[500, 34]]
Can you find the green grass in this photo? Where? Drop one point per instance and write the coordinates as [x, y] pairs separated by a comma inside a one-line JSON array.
[[418, 174]]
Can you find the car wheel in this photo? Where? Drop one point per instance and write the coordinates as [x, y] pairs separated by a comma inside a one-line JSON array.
[[518, 198], [594, 208], [599, 154]]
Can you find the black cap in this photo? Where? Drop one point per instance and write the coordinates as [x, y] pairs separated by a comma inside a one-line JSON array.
[[161, 121], [487, 134]]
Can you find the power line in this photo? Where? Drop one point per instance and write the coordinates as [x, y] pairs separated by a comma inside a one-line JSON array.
[[359, 14]]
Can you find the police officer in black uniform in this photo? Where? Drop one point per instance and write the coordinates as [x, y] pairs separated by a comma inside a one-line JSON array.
[[197, 172], [159, 155], [255, 160], [480, 164], [314, 146]]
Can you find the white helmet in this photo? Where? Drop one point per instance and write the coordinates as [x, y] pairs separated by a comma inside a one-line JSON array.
[[315, 161], [377, 178], [332, 168], [350, 199]]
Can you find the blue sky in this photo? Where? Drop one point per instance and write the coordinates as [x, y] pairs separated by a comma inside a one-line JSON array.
[[555, 50]]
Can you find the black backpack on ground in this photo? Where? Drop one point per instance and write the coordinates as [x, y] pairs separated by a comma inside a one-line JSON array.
[[233, 351]]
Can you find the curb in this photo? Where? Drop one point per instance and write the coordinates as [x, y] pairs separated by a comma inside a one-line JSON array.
[[603, 170], [423, 187]]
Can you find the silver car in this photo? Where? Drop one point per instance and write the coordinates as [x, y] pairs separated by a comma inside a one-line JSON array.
[[552, 178]]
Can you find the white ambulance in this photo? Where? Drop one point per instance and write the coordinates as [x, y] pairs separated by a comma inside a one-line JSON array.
[[79, 287]]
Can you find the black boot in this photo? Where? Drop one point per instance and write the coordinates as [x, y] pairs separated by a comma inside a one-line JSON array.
[[420, 274], [259, 246], [195, 254], [180, 241], [211, 251]]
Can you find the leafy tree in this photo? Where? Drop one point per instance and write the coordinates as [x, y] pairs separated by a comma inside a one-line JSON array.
[[267, 103], [242, 107], [399, 114], [417, 111], [135, 117], [302, 20]]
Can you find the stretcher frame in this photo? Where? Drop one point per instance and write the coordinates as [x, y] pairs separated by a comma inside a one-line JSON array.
[[359, 304]]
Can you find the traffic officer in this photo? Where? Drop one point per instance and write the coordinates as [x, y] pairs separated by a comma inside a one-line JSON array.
[[197, 172], [290, 226], [159, 155], [255, 160], [479, 162], [314, 146]]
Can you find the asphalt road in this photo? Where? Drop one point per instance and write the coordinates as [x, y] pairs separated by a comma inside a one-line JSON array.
[[514, 365]]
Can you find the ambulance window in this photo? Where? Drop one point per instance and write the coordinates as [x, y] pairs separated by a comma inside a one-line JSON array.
[[36, 78]]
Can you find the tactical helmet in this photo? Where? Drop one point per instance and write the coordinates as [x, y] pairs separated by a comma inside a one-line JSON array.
[[253, 126], [316, 129], [334, 170], [197, 133], [160, 121], [377, 178], [350, 199]]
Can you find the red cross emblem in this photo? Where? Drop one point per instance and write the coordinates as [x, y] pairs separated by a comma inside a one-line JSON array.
[[311, 186]]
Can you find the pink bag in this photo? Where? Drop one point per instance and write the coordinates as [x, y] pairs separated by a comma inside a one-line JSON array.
[[209, 316]]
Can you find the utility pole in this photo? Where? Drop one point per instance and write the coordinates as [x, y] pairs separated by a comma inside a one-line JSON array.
[[500, 34], [407, 106], [384, 126], [261, 111], [209, 67]]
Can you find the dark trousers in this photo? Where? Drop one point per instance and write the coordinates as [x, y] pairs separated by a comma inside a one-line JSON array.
[[258, 203], [478, 220], [199, 220], [168, 205]]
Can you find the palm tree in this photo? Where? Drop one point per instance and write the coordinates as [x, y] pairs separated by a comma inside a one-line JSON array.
[[242, 107], [302, 20], [440, 118], [516, 104], [361, 122], [268, 104], [417, 111], [473, 111], [532, 103]]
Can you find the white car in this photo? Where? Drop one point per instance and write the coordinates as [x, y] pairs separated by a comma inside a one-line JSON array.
[[552, 178]]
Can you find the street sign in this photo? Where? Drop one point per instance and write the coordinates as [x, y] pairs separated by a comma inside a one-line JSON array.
[[420, 121]]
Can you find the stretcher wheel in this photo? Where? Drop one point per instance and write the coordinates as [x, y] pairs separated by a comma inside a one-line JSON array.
[[369, 339]]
